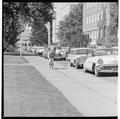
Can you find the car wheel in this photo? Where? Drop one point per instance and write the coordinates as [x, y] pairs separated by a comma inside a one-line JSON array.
[[71, 64], [84, 70], [96, 72]]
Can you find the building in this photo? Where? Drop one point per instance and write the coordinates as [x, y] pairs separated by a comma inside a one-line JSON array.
[[92, 14]]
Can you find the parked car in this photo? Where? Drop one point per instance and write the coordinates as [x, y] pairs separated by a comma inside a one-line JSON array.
[[102, 60], [77, 56], [58, 56], [63, 55], [40, 50]]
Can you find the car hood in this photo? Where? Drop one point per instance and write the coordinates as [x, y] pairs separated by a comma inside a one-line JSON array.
[[109, 59]]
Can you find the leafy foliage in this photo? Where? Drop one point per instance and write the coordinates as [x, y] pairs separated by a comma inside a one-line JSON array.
[[110, 39], [70, 29], [11, 25], [39, 34], [17, 14], [113, 28]]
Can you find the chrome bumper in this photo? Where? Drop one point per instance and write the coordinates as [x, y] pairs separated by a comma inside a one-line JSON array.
[[108, 68]]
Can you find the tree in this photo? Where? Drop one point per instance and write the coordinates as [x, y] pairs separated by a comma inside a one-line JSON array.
[[29, 12], [113, 28], [70, 29], [11, 24], [39, 34], [110, 32]]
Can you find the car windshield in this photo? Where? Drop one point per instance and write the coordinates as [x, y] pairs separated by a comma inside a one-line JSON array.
[[105, 52], [80, 51]]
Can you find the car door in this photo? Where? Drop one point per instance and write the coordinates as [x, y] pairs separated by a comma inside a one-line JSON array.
[[89, 61], [71, 56]]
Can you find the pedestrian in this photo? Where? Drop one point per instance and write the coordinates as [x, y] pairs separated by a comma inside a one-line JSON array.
[[51, 59]]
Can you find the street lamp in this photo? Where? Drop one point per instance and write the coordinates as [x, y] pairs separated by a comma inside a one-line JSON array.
[[20, 47], [48, 28]]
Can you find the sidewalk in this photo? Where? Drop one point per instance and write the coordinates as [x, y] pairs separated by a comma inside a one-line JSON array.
[[96, 98]]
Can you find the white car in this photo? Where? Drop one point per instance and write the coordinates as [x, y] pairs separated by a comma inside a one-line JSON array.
[[40, 50], [102, 60], [77, 56]]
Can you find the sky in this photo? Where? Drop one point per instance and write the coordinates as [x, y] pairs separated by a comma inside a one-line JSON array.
[[62, 9]]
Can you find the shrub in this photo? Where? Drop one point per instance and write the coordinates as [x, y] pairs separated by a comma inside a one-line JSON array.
[[10, 48]]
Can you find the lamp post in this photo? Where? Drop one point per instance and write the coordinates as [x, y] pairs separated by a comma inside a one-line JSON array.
[[48, 28], [20, 47]]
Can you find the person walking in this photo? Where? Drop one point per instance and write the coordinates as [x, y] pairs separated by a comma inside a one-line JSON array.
[[51, 59]]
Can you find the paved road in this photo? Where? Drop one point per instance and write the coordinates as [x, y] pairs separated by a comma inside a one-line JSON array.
[[91, 96], [110, 78]]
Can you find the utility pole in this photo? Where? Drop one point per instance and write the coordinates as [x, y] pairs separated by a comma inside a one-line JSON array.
[[48, 28], [20, 46]]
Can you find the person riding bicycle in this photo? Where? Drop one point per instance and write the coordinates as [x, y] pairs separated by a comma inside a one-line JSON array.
[[51, 59]]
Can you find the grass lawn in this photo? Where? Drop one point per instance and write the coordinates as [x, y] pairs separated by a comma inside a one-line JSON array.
[[14, 59], [28, 93]]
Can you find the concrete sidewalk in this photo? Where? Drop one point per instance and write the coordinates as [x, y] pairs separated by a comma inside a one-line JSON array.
[[95, 98]]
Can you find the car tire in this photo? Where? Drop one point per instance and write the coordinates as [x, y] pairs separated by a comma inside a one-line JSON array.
[[71, 64], [84, 70], [96, 72]]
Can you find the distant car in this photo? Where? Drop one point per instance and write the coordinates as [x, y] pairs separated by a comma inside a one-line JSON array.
[[63, 55], [40, 50], [77, 56], [45, 53], [58, 56], [102, 60]]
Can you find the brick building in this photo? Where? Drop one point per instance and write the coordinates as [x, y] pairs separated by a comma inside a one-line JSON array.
[[92, 14]]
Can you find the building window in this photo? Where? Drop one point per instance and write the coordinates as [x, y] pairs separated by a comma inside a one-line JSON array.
[[91, 35], [86, 6], [100, 33], [95, 17], [87, 21], [95, 3], [101, 14], [92, 19], [89, 5], [98, 16], [106, 13], [97, 34]]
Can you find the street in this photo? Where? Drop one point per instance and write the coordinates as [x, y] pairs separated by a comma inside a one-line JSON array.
[[84, 91], [36, 90], [110, 78]]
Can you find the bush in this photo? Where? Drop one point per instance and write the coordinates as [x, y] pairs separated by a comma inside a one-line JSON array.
[[110, 41], [10, 48]]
